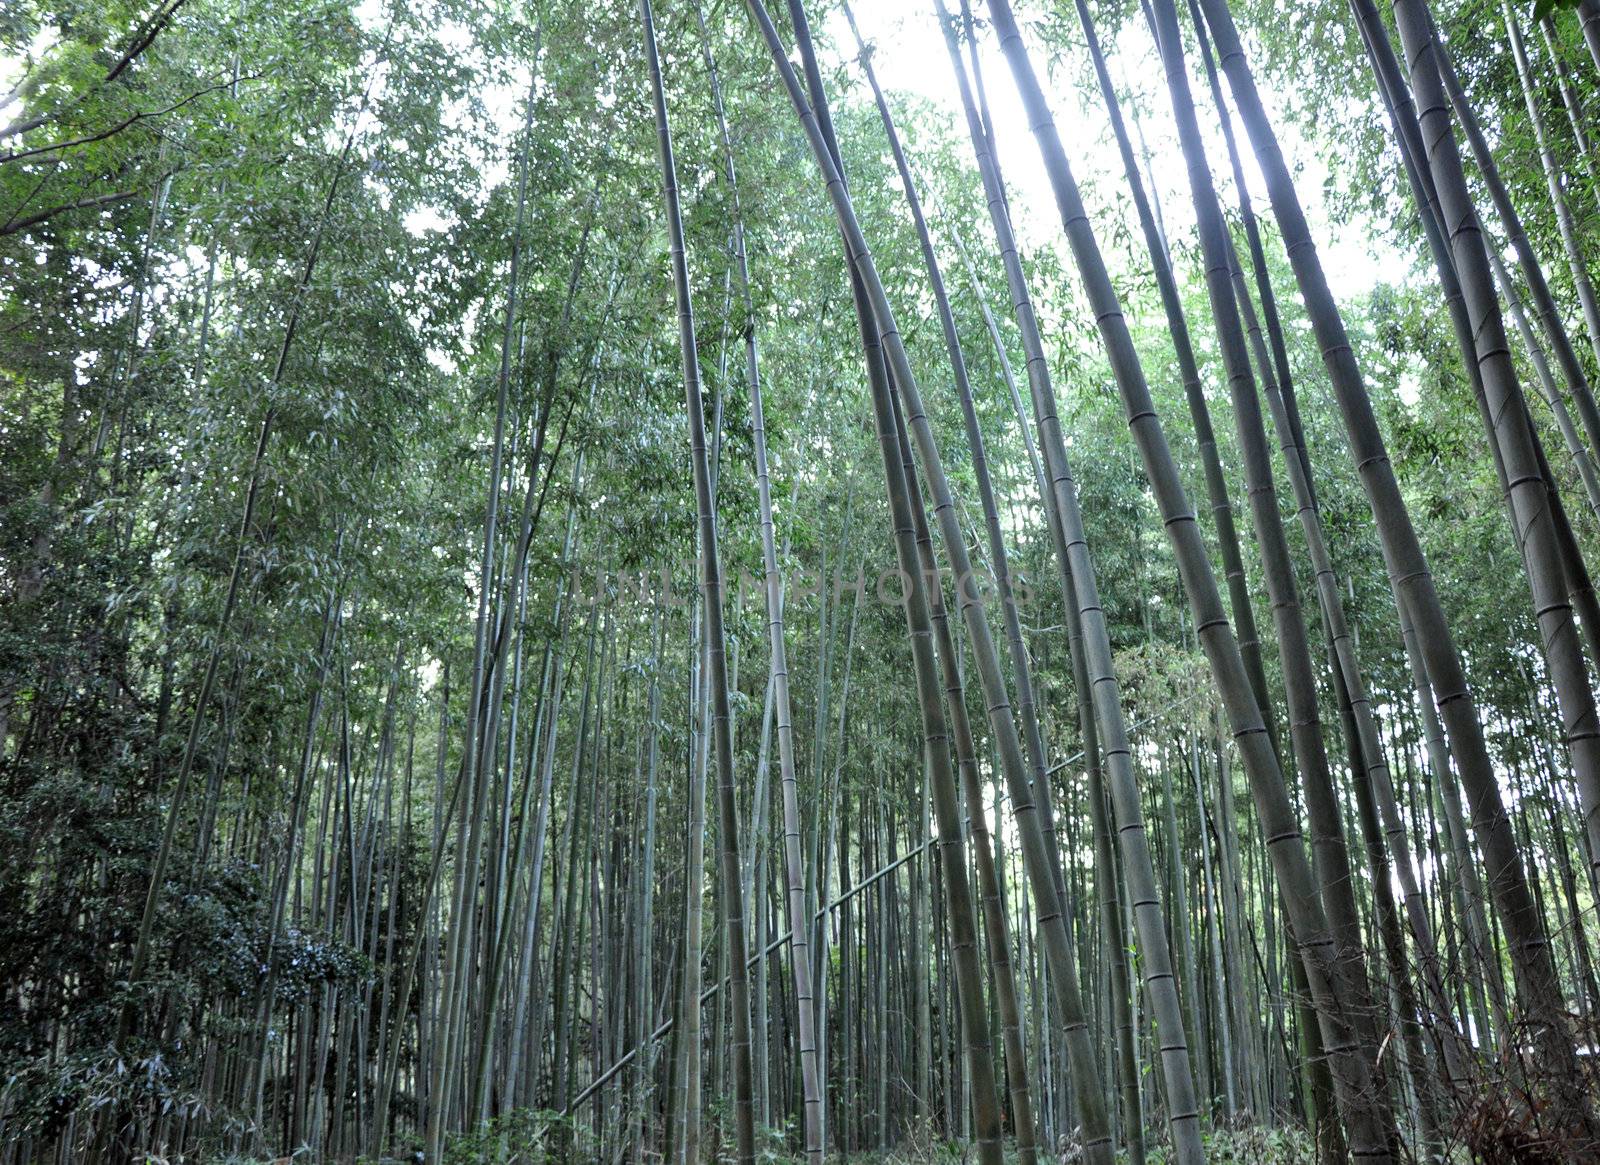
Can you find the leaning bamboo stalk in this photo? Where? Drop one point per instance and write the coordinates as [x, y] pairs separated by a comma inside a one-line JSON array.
[[1146, 207], [1086, 1073], [1234, 310], [1589, 22], [1081, 590], [1108, 896], [1582, 461], [986, 659], [1566, 225], [997, 930], [1365, 1117], [1570, 101], [875, 321], [1544, 303], [1529, 495], [1528, 941], [1402, 114]]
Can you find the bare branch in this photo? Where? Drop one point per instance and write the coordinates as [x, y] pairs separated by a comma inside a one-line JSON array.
[[132, 119], [11, 228], [142, 39]]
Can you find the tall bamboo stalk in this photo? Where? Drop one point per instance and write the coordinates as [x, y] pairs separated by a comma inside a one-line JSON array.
[[963, 933], [811, 1079], [731, 893]]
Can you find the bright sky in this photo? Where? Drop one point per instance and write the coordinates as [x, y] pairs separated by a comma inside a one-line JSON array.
[[912, 58]]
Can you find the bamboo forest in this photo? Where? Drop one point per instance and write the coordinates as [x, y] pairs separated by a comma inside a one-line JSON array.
[[748, 581]]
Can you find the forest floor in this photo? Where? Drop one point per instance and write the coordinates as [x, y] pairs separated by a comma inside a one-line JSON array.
[[1249, 1145]]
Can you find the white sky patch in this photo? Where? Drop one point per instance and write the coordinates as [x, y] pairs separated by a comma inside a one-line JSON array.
[[14, 68], [1409, 387], [425, 219]]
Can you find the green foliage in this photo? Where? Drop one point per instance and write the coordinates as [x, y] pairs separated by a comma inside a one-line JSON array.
[[1543, 9], [299, 218], [524, 1135], [1256, 1145]]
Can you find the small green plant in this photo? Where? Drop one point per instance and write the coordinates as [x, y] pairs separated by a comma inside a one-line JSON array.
[[524, 1136], [1259, 1145]]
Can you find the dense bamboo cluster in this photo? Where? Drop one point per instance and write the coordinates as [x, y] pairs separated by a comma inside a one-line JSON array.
[[604, 584]]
